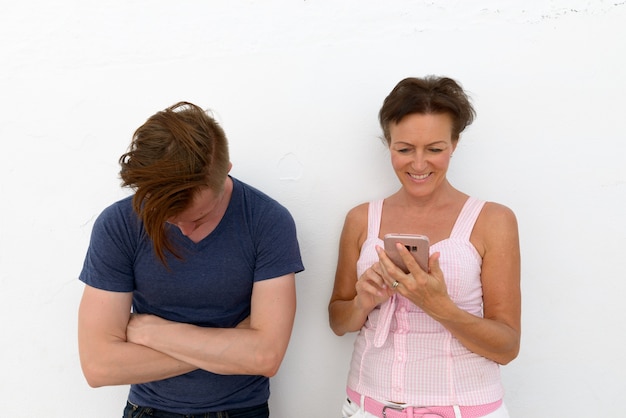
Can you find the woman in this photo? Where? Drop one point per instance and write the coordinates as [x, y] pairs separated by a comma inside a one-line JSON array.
[[430, 342]]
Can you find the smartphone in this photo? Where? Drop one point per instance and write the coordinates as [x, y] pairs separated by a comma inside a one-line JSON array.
[[418, 246]]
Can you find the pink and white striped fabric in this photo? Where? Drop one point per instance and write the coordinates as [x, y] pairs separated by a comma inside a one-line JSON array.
[[403, 355]]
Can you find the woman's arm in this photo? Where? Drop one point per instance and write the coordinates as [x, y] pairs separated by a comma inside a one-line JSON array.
[[254, 349], [497, 335], [499, 340], [352, 300], [106, 356]]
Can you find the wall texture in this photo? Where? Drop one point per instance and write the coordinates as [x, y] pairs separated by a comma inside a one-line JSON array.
[[297, 86]]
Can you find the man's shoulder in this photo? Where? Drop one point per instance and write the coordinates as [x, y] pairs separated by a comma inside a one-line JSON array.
[[254, 195], [120, 208]]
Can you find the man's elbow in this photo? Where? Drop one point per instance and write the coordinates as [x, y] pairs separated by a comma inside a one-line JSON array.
[[98, 375], [269, 362], [93, 376]]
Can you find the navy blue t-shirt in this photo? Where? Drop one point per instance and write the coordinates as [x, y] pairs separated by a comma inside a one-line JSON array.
[[211, 286]]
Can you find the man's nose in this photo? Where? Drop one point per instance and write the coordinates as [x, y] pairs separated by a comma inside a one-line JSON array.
[[186, 227]]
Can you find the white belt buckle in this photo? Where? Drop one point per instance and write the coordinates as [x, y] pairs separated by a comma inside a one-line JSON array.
[[395, 408]]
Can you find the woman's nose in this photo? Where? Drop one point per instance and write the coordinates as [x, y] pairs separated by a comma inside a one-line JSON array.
[[419, 162]]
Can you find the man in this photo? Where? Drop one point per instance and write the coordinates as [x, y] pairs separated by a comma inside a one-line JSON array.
[[207, 266]]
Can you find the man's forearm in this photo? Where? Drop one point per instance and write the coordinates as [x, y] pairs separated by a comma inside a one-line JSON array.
[[121, 363], [218, 350]]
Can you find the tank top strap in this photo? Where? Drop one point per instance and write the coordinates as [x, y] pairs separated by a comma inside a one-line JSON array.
[[467, 218], [374, 215]]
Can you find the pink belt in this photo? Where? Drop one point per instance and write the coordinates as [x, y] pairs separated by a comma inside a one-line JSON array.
[[382, 410]]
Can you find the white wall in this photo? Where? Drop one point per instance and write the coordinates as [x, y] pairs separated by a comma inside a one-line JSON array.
[[297, 86]]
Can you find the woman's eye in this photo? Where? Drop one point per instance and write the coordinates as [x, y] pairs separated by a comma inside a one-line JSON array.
[[435, 150]]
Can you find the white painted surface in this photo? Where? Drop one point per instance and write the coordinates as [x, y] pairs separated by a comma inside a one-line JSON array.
[[297, 86]]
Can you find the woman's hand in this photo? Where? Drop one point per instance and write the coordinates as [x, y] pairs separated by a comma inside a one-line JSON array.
[[371, 289], [427, 290]]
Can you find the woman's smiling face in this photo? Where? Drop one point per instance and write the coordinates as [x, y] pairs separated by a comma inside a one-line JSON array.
[[421, 146]]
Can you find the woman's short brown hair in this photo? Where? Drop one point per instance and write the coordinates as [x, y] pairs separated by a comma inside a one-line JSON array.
[[173, 155], [427, 95]]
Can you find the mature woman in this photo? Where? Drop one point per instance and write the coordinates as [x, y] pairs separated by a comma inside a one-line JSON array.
[[430, 342]]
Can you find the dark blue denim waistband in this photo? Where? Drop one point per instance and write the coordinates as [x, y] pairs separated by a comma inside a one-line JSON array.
[[136, 411]]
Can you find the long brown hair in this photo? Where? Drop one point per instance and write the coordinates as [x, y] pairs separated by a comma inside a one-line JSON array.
[[173, 155]]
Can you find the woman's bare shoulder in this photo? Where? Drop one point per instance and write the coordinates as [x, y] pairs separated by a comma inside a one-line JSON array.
[[355, 224], [495, 226], [358, 213], [496, 212]]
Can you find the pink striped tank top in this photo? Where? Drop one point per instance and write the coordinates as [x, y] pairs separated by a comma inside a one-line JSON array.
[[401, 354]]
